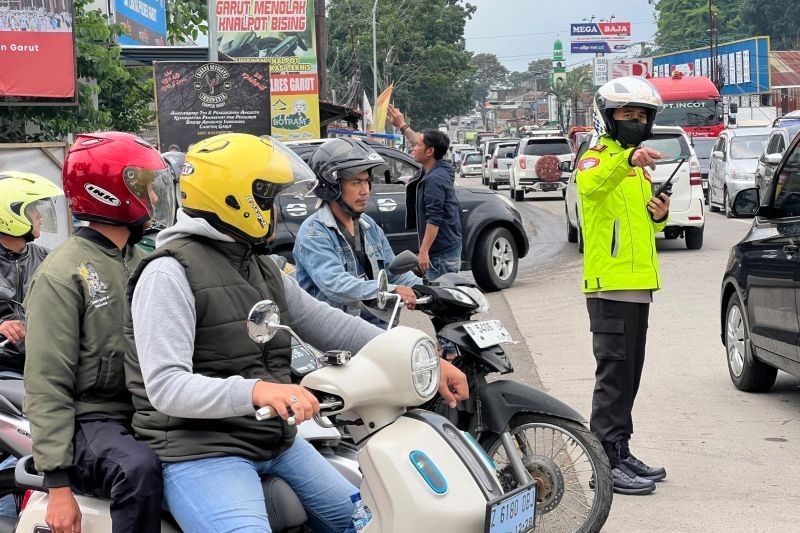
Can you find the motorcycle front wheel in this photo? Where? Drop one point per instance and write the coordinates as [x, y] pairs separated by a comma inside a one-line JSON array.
[[568, 465]]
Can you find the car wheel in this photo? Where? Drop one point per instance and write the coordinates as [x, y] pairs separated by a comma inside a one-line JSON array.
[[572, 232], [694, 238], [493, 185], [496, 260], [519, 196], [747, 373], [726, 205], [484, 181]]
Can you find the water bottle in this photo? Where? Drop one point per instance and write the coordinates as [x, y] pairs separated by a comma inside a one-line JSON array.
[[361, 513]]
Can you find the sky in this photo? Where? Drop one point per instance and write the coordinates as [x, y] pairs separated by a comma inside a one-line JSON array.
[[520, 31]]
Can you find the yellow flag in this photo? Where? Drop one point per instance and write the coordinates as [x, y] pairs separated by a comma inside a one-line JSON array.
[[381, 110]]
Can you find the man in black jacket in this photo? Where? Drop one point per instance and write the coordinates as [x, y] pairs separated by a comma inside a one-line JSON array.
[[431, 200], [23, 196]]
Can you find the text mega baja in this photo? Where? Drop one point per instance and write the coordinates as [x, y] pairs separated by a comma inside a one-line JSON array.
[[281, 32]]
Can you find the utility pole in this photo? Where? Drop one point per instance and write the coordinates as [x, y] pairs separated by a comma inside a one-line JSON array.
[[375, 55], [321, 30]]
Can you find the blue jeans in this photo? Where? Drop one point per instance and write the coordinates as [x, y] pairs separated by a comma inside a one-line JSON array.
[[224, 494], [8, 504], [447, 261]]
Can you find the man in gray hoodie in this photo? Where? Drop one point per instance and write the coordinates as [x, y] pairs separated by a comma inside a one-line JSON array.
[[195, 376]]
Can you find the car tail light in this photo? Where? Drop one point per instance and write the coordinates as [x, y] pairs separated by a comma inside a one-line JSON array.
[[522, 162], [695, 177], [25, 498], [494, 162]]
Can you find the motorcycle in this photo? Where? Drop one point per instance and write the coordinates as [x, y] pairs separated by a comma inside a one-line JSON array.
[[530, 435], [418, 472]]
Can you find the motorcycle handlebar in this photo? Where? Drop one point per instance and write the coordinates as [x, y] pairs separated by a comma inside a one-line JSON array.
[[267, 412]]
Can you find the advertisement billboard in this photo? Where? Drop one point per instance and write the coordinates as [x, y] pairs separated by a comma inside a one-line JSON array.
[[606, 68], [196, 99], [145, 21], [37, 52], [282, 33], [599, 37], [744, 65]]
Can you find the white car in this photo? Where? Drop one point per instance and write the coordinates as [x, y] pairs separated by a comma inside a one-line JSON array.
[[522, 175], [471, 165], [733, 165], [500, 163], [686, 213]]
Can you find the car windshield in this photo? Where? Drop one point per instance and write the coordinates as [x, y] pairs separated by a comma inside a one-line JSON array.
[[547, 147], [792, 130], [672, 146], [473, 159], [748, 147], [690, 113], [704, 146]]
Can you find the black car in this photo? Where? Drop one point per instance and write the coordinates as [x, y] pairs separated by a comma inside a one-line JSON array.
[[760, 290], [493, 235]]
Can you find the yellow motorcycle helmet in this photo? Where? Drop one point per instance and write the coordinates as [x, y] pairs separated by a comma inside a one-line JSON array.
[[232, 180], [20, 194]]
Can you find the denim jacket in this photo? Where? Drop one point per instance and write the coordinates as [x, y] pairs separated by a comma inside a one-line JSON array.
[[326, 265]]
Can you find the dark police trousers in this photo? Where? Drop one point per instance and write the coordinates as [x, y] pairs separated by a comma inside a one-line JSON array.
[[619, 334], [108, 459]]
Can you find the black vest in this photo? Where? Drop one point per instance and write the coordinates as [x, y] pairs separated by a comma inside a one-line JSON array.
[[226, 280]]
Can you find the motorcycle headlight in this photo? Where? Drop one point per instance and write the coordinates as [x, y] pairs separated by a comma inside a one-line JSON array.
[[508, 201], [470, 296], [425, 368]]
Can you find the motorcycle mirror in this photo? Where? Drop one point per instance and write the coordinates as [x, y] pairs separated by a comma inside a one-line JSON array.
[[383, 289], [263, 321], [406, 261]]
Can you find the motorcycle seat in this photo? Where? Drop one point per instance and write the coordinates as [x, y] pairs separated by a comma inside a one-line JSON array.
[[12, 392], [283, 506]]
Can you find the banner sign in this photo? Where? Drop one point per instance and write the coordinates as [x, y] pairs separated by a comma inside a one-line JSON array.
[[743, 64], [590, 48], [606, 69], [145, 21], [37, 53], [196, 99], [281, 32], [600, 31]]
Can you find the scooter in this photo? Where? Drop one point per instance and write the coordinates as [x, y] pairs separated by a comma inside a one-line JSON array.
[[419, 472], [530, 435]]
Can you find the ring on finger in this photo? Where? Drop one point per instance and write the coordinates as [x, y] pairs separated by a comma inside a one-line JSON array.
[[293, 399]]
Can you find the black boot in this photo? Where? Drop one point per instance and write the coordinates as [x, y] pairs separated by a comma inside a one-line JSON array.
[[638, 468], [625, 481]]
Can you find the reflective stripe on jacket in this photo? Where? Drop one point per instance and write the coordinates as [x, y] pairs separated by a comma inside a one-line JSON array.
[[618, 232]]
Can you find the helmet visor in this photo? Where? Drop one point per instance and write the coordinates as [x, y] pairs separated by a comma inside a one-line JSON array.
[[265, 190], [42, 216], [155, 190]]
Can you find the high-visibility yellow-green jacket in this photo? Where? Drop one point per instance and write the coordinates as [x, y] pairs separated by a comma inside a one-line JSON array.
[[618, 232]]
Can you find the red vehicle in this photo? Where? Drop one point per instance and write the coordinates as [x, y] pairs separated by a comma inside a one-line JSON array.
[[691, 102]]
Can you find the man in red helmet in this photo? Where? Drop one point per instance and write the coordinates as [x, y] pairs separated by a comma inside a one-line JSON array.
[[79, 408]]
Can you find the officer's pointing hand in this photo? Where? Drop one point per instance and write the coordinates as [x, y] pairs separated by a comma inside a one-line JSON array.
[[645, 157]]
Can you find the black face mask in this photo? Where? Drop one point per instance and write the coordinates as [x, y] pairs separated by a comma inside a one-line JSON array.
[[631, 132]]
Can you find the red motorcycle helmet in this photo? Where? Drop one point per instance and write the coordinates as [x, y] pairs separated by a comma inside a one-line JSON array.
[[109, 178]]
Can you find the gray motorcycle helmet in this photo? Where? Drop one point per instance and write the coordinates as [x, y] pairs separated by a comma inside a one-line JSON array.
[[338, 159]]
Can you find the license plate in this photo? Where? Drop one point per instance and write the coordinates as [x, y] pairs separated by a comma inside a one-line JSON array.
[[514, 512], [705, 185], [488, 333]]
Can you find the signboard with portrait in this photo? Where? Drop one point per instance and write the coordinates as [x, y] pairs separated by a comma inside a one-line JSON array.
[[37, 52], [145, 21], [282, 33], [199, 99]]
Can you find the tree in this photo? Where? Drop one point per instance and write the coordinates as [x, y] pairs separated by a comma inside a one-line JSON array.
[[535, 78], [776, 18], [186, 20], [569, 92], [420, 50], [488, 73], [683, 24], [123, 95]]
